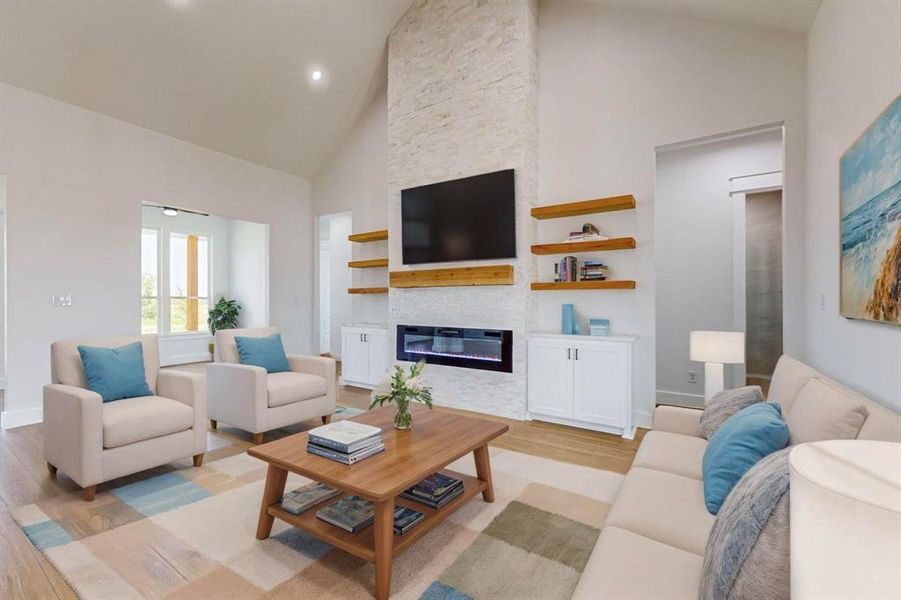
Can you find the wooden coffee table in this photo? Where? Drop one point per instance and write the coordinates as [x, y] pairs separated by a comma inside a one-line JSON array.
[[436, 440]]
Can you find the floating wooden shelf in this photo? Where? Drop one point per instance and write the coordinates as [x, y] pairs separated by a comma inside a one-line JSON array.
[[368, 264], [625, 243], [489, 275], [369, 236], [609, 284], [585, 207], [368, 290], [362, 543]]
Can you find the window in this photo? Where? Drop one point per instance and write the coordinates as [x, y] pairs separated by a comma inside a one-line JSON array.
[[184, 283], [150, 281]]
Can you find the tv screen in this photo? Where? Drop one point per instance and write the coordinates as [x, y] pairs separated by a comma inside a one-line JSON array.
[[465, 219]]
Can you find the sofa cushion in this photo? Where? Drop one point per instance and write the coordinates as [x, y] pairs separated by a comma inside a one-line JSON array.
[[627, 565], [824, 412], [671, 452], [725, 404], [789, 377], [267, 352], [290, 387], [663, 506], [136, 419], [747, 554], [744, 439], [115, 373]]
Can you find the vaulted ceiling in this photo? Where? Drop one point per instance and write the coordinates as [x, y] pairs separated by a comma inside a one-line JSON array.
[[233, 76]]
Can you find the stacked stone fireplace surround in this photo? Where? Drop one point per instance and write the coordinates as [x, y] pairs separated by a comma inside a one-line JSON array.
[[463, 100]]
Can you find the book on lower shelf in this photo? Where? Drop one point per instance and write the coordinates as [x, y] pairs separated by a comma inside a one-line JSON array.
[[305, 497], [435, 491], [406, 519], [351, 513], [354, 513]]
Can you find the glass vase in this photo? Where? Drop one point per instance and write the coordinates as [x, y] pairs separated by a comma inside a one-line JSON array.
[[402, 417]]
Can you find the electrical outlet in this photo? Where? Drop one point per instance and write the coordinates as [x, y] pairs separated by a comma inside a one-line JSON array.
[[692, 377], [61, 301]]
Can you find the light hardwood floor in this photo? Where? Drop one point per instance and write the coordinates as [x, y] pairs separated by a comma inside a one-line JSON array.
[[26, 574]]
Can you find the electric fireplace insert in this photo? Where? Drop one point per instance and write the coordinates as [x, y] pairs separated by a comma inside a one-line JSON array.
[[487, 349]]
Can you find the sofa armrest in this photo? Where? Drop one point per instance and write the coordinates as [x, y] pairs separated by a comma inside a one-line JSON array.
[[318, 365], [236, 394], [73, 432], [190, 389], [677, 419]]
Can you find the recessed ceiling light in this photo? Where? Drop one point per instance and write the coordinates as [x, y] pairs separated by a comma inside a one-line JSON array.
[[179, 3], [170, 212], [316, 75]]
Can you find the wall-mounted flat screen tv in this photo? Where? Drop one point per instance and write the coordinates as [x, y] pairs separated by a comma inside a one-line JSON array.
[[473, 218]]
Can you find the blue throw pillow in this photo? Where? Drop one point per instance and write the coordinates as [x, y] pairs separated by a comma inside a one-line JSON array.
[[115, 373], [267, 352], [741, 441]]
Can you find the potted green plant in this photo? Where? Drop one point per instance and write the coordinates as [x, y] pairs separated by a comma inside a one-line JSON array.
[[405, 388], [223, 315]]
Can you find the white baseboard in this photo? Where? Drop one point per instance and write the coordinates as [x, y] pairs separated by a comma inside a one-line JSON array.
[[643, 419], [184, 359], [18, 418], [679, 398]]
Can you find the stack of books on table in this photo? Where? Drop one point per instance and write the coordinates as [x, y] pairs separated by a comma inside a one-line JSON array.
[[594, 270], [303, 498], [435, 491], [345, 441], [354, 513]]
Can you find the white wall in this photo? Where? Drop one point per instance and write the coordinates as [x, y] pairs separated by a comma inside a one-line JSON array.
[[75, 182], [854, 73], [249, 271], [355, 179], [340, 303], [615, 83], [696, 271]]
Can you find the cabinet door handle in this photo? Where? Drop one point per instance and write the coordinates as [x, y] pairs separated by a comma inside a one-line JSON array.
[[577, 354], [365, 337], [361, 337], [569, 354]]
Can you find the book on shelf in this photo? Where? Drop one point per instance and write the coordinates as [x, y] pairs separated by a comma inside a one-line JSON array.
[[435, 491], [566, 269], [345, 436], [305, 497], [350, 514], [406, 519], [342, 457]]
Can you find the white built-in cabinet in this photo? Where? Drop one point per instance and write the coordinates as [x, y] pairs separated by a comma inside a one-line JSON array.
[[582, 381], [364, 355]]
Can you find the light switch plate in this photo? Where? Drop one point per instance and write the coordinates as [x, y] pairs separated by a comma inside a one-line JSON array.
[[62, 301]]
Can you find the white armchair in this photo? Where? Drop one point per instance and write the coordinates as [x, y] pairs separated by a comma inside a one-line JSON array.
[[92, 441], [251, 399]]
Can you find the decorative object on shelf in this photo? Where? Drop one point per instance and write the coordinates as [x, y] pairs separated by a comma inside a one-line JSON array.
[[223, 315], [599, 327], [588, 233], [870, 212], [566, 269], [404, 389], [714, 349], [569, 320]]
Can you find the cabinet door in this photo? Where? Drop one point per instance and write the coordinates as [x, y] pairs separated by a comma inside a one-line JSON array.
[[550, 378], [354, 356], [601, 382], [377, 348]]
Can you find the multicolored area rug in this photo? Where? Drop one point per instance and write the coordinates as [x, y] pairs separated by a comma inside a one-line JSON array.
[[190, 534]]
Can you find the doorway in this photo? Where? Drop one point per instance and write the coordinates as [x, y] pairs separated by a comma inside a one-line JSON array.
[[335, 308], [763, 286]]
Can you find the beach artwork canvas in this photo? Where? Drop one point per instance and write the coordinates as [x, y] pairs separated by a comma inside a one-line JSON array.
[[870, 180]]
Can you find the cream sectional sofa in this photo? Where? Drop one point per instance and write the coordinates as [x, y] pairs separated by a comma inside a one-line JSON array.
[[652, 544]]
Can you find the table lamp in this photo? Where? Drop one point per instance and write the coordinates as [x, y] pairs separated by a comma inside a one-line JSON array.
[[714, 349]]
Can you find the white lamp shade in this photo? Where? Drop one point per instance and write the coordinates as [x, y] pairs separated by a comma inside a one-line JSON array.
[[726, 347]]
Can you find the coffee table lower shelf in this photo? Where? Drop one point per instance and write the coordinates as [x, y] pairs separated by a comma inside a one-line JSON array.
[[362, 543]]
